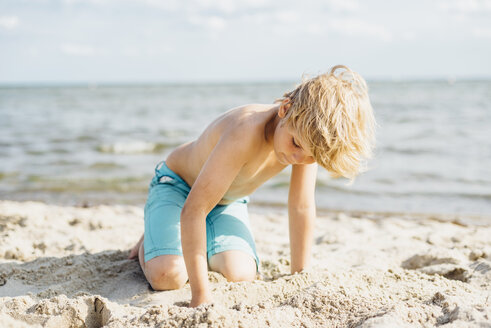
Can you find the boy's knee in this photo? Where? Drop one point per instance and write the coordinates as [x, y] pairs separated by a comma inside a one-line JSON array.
[[234, 265], [166, 272], [241, 272], [174, 278]]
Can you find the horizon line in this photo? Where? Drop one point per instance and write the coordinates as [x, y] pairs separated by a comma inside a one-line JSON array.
[[105, 83]]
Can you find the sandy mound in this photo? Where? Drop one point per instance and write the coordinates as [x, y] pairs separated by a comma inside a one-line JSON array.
[[67, 267]]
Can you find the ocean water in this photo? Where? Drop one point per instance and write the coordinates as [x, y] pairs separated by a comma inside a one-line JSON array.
[[99, 144]]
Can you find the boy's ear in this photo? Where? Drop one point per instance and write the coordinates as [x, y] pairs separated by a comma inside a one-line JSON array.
[[284, 107]]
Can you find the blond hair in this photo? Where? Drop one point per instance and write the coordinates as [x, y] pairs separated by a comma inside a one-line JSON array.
[[333, 115]]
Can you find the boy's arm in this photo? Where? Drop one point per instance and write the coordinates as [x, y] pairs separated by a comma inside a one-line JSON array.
[[301, 214], [216, 176]]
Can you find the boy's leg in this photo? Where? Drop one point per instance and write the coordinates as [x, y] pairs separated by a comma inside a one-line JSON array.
[[234, 265], [231, 247], [160, 253], [163, 272]]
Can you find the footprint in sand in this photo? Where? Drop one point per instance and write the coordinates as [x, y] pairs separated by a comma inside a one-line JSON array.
[[447, 263]]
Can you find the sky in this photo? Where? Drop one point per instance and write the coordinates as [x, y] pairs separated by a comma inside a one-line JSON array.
[[97, 41]]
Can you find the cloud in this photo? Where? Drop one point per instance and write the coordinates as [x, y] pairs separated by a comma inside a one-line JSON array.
[[9, 22], [285, 16], [227, 6], [167, 5], [344, 5], [484, 33], [465, 6], [95, 2], [148, 51], [408, 36], [223, 6], [216, 6], [357, 27], [74, 49], [214, 23]]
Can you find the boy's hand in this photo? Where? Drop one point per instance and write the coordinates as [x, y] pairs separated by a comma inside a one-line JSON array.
[[134, 251], [201, 299]]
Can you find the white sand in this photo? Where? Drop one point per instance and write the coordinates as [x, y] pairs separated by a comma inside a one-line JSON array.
[[67, 267]]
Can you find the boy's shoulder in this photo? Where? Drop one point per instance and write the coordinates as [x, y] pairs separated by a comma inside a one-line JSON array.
[[243, 126], [245, 119]]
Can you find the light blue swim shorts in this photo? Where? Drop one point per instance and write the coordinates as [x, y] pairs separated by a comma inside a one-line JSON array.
[[227, 226]]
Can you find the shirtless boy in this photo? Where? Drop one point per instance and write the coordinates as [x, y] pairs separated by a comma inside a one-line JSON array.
[[196, 211]]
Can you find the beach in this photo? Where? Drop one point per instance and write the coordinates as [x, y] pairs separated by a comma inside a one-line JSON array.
[[237, 97], [77, 161], [64, 266]]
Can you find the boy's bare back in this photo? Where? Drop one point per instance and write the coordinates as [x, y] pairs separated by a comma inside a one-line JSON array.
[[250, 129]]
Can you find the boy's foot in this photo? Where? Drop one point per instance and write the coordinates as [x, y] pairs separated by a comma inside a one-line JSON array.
[[135, 249]]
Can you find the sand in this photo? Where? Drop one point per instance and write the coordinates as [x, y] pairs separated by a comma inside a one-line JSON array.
[[68, 267]]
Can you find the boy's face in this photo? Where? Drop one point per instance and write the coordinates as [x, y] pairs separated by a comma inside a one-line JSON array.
[[289, 147]]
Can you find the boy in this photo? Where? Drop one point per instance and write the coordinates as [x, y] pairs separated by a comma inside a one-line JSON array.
[[198, 197]]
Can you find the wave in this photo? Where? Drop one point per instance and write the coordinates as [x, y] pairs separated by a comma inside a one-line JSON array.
[[105, 166], [126, 184], [132, 147], [7, 175], [410, 151], [346, 189]]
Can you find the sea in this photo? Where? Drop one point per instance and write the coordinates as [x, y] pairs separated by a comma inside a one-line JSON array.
[[98, 144]]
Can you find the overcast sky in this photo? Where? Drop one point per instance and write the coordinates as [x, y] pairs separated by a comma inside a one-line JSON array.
[[241, 40]]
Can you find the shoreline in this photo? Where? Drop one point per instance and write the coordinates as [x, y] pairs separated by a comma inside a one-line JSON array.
[[66, 266], [460, 218], [463, 219]]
